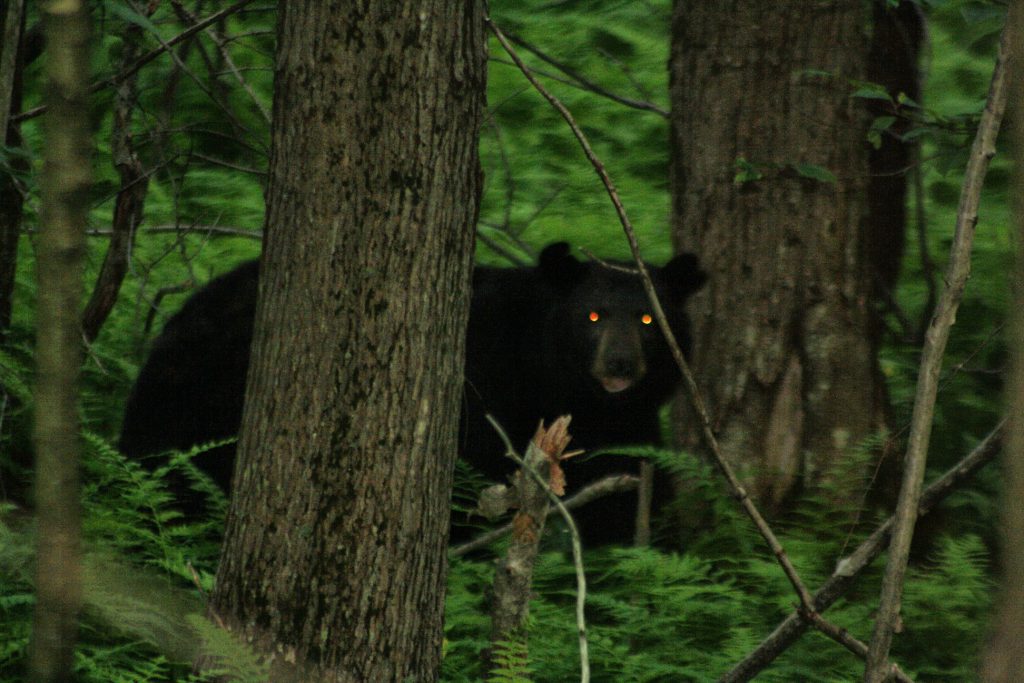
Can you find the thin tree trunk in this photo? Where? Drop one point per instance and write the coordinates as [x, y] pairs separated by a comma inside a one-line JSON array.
[[334, 560], [761, 115], [958, 269], [131, 196], [60, 250], [1004, 658], [12, 24]]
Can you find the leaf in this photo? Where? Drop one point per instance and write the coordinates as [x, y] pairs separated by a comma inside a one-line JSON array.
[[915, 133], [815, 172], [882, 123], [976, 13], [816, 72], [871, 93], [746, 172], [122, 11], [905, 100], [556, 478]]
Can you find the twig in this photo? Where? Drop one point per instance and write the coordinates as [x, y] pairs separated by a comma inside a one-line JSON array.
[[234, 167], [10, 42], [497, 248], [599, 489], [927, 265], [584, 82], [221, 44], [160, 294], [847, 570], [221, 230], [131, 197], [694, 393], [854, 645], [644, 501], [146, 58], [957, 271], [577, 550], [183, 68], [628, 73], [510, 179]]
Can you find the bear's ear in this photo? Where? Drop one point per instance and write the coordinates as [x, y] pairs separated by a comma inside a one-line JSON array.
[[559, 266], [683, 275]]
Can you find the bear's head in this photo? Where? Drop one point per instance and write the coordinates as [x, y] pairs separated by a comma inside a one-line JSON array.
[[604, 329]]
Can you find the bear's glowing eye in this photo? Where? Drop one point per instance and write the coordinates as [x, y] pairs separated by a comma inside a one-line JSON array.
[[646, 319], [594, 317]]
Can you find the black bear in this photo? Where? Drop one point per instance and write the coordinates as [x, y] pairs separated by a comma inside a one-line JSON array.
[[562, 337], [569, 337]]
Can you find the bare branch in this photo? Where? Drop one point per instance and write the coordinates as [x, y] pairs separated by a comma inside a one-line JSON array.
[[854, 645], [850, 567], [577, 546], [957, 271], [10, 42], [594, 491], [583, 81], [160, 294], [130, 198], [513, 576], [221, 44], [146, 58], [206, 230]]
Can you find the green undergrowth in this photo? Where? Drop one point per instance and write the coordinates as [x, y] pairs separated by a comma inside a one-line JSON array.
[[652, 614]]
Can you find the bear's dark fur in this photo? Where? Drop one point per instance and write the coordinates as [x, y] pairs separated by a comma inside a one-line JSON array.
[[191, 388], [532, 351]]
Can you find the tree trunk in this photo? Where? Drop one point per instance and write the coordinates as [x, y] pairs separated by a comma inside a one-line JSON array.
[[334, 560], [131, 196], [761, 115], [896, 38], [60, 254], [1004, 658], [12, 24]]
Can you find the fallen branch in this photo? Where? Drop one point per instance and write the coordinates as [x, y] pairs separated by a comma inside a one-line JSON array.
[[599, 489], [850, 567], [513, 577], [957, 271]]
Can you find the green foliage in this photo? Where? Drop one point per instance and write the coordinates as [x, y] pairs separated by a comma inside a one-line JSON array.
[[509, 662], [689, 616]]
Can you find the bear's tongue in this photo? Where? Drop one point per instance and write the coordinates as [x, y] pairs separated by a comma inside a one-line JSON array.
[[614, 385]]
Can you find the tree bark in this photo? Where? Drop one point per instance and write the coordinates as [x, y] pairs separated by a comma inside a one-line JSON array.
[[60, 253], [761, 115], [896, 37], [334, 560], [1004, 657]]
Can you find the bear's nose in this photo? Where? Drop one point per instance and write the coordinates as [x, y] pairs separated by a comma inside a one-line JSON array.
[[620, 367]]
